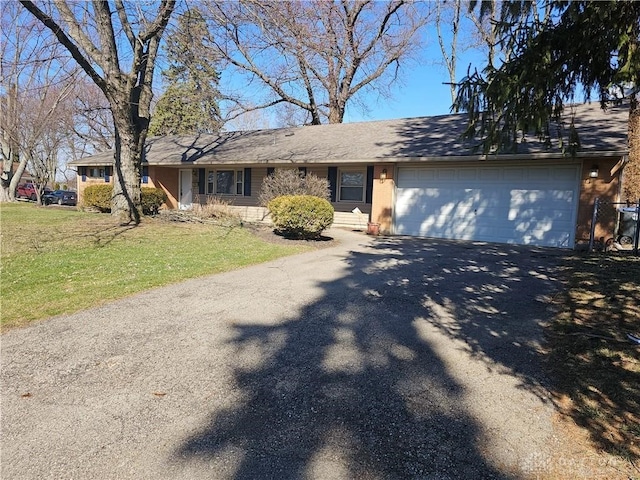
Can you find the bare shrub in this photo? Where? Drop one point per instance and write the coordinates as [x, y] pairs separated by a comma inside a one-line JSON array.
[[215, 211], [293, 182], [215, 208]]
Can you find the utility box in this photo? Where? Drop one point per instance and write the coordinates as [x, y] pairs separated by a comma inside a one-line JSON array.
[[627, 224]]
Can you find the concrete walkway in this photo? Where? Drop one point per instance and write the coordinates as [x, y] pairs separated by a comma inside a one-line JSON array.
[[377, 359]]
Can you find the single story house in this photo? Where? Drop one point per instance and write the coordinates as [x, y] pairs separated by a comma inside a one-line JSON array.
[[412, 176]]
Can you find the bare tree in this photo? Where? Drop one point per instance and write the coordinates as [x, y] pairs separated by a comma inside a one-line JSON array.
[[13, 47], [93, 34], [483, 34], [34, 82], [448, 14], [315, 55], [43, 131], [486, 22], [251, 120], [461, 27], [91, 121]]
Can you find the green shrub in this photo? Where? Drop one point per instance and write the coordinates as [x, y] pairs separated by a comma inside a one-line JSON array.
[[301, 216], [152, 199], [292, 182], [99, 197]]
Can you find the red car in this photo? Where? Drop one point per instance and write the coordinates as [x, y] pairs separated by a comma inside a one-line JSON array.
[[28, 190]]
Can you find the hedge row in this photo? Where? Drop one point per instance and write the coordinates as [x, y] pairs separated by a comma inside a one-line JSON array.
[[99, 197]]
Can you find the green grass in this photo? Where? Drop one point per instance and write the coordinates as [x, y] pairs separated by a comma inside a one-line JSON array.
[[56, 261]]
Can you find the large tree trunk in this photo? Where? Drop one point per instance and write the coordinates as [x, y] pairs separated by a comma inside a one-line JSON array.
[[9, 154], [5, 181], [126, 175], [9, 180], [6, 193], [336, 112], [632, 169]]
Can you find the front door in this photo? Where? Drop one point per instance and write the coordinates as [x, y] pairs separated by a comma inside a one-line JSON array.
[[186, 195]]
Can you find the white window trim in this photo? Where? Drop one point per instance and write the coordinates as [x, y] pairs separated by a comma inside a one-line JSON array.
[[238, 179], [364, 184], [239, 182]]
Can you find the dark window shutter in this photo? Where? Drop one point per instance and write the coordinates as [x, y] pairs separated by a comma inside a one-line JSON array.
[[83, 172], [145, 174], [369, 190], [247, 182], [270, 171], [303, 171], [107, 173], [332, 176], [202, 178]]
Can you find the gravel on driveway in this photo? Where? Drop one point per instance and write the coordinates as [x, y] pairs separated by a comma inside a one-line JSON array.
[[375, 358]]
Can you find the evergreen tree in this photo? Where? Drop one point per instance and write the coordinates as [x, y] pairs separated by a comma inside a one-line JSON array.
[[558, 50], [189, 105]]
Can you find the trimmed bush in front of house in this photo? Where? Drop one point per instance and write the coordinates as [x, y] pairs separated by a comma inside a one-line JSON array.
[[301, 216], [152, 199], [99, 197]]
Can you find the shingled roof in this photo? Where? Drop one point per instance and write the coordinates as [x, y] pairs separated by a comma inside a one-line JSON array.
[[602, 133]]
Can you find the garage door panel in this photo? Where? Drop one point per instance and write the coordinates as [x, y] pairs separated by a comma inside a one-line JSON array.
[[490, 174], [469, 174], [515, 175], [523, 205]]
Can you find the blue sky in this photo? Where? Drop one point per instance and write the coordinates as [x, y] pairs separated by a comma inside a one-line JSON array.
[[421, 94], [422, 91]]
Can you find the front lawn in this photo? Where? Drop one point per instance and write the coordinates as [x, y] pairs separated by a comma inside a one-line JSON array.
[[596, 367], [57, 261]]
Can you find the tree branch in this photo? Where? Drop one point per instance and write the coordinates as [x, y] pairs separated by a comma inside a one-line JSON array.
[[124, 21], [84, 41]]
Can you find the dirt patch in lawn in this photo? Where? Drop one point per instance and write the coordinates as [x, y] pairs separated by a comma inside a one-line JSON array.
[[268, 234], [593, 359]]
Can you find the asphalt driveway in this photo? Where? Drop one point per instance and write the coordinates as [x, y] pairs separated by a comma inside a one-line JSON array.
[[377, 358]]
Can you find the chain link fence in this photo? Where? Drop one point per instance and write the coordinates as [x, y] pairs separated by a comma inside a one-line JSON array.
[[615, 227]]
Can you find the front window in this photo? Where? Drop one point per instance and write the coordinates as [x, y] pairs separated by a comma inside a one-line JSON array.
[[352, 186], [225, 182], [239, 182]]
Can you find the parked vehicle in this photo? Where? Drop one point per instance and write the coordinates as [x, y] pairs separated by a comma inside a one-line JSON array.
[[61, 197], [28, 190]]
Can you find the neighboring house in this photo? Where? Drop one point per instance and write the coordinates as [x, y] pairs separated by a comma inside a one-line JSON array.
[[412, 176]]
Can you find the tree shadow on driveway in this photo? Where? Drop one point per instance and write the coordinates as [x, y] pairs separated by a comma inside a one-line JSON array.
[[352, 386], [493, 297]]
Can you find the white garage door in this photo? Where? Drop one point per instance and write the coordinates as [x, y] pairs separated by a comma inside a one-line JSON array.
[[521, 204]]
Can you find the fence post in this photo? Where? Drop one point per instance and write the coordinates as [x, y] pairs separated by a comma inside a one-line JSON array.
[[593, 224]]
